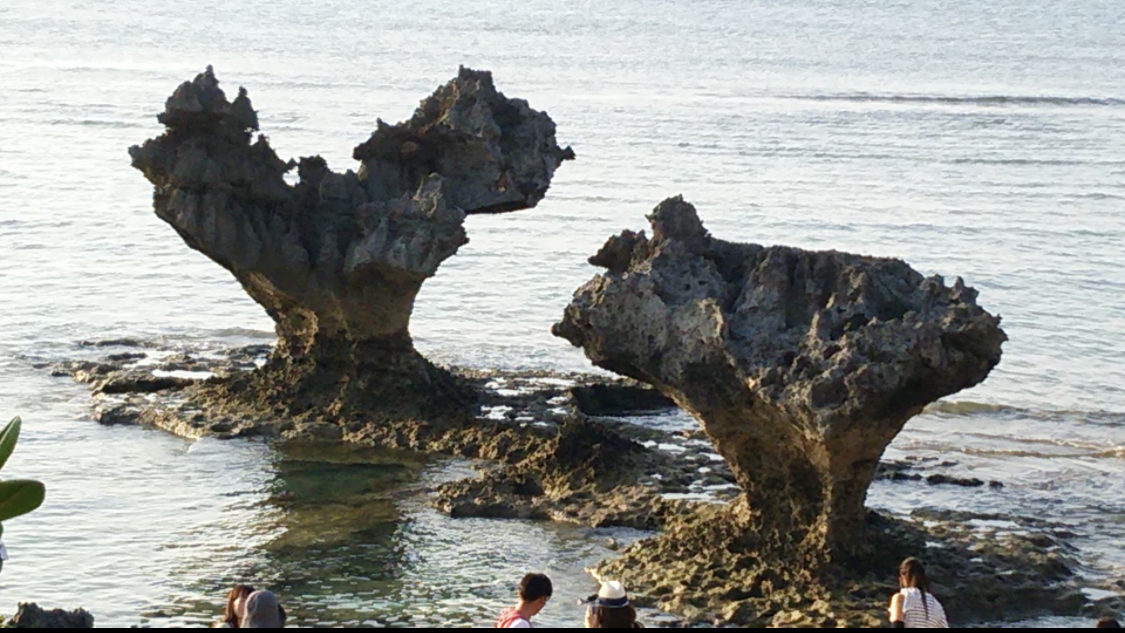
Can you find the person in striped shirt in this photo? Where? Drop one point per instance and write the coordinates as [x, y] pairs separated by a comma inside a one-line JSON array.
[[914, 606]]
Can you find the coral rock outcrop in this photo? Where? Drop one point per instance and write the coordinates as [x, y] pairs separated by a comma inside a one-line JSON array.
[[337, 259], [801, 366], [32, 616]]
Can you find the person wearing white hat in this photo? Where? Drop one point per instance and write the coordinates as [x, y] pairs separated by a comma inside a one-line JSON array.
[[610, 609]]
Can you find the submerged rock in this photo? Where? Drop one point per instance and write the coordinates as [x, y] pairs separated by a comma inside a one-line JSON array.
[[964, 482], [32, 616], [338, 258]]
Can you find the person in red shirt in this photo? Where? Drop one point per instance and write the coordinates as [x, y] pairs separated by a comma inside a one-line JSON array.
[[535, 591]]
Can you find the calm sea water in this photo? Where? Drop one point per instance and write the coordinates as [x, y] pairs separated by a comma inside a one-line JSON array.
[[977, 139]]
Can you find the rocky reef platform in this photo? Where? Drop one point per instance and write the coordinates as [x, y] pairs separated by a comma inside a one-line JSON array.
[[549, 446], [603, 452]]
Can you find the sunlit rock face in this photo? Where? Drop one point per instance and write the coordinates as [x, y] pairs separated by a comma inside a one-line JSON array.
[[338, 258], [801, 366]]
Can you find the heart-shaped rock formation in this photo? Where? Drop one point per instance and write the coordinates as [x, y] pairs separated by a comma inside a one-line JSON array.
[[337, 259]]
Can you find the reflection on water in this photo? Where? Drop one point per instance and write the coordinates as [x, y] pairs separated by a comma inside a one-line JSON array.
[[344, 536], [334, 513]]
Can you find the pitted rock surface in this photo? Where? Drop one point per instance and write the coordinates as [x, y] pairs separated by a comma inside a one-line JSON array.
[[337, 259], [801, 366]]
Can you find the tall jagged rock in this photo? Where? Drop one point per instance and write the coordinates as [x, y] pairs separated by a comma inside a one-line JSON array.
[[338, 258], [801, 366]]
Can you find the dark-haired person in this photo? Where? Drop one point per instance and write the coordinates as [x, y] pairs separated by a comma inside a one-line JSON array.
[[1107, 623], [262, 610], [236, 599], [535, 591], [914, 606], [610, 609]]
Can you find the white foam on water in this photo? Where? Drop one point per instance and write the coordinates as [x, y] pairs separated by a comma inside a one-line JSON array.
[[182, 373]]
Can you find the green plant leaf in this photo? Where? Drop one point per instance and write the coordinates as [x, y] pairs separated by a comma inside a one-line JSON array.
[[20, 496], [8, 438]]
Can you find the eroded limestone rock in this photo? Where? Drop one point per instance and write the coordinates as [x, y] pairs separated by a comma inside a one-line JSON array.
[[801, 366], [338, 258]]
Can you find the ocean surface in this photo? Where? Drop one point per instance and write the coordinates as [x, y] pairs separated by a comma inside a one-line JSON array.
[[983, 140]]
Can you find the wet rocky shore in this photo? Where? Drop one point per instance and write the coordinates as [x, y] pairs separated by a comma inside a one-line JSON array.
[[574, 448]]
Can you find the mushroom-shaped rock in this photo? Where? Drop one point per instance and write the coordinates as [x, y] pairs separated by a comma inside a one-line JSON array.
[[801, 366], [338, 258]]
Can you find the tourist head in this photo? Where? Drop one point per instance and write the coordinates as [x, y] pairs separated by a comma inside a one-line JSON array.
[[262, 611], [236, 600], [610, 609], [1107, 623], [912, 574], [535, 591]]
